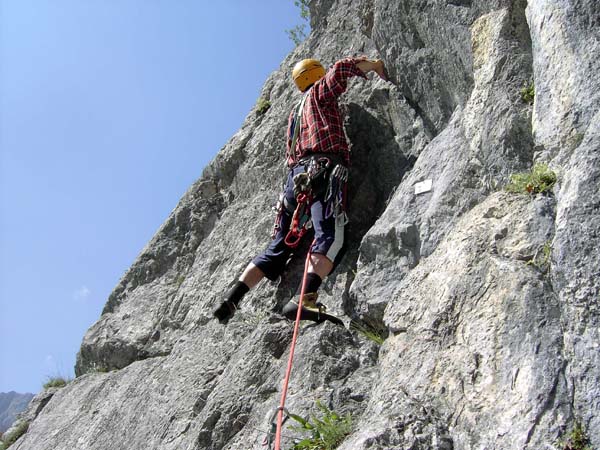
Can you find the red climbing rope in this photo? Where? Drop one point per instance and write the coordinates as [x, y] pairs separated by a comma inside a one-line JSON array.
[[291, 358]]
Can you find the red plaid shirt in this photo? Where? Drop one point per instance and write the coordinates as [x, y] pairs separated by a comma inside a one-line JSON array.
[[322, 124]]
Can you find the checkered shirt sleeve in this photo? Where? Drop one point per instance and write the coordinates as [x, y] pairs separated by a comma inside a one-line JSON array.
[[322, 128]]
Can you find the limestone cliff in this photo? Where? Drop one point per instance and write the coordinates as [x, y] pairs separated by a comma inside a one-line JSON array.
[[485, 347]]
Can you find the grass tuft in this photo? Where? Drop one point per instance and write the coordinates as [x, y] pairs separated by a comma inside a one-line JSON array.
[[56, 382], [539, 180]]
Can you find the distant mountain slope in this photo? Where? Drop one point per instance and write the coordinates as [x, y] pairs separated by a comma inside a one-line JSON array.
[[12, 404]]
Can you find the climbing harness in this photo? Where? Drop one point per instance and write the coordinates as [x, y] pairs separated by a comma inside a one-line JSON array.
[[281, 410], [321, 179]]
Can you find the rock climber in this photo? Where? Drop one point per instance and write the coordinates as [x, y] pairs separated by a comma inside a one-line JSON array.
[[317, 158]]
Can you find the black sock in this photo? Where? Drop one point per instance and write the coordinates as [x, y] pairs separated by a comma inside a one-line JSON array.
[[236, 293], [313, 281]]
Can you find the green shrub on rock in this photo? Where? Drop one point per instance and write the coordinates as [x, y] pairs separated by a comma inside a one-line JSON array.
[[576, 440], [262, 105], [14, 434], [369, 331], [539, 180], [528, 93], [326, 432]]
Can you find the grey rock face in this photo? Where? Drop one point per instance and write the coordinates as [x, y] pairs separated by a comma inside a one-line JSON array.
[[488, 300], [567, 130], [485, 141], [565, 42], [482, 350]]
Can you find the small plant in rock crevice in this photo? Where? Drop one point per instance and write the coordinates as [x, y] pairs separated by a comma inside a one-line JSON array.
[[539, 180], [179, 281], [262, 106], [369, 331], [542, 257], [326, 432], [576, 439], [528, 93], [576, 139], [546, 253]]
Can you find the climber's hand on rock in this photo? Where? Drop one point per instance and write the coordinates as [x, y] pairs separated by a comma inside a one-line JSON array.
[[379, 68], [375, 65]]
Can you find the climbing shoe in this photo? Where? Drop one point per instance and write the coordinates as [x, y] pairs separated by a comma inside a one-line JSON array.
[[233, 297], [311, 310], [226, 311]]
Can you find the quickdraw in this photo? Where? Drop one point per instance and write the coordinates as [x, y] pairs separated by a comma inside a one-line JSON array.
[[270, 438], [300, 221], [278, 208], [336, 194]]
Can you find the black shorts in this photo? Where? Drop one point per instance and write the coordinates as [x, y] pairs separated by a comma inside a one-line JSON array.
[[328, 239]]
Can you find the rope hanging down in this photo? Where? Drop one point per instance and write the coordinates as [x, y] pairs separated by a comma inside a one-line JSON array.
[[288, 372]]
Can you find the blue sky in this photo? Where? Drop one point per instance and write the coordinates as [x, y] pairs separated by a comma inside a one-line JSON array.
[[109, 110]]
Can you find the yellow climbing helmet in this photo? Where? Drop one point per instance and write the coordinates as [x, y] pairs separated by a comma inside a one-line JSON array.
[[307, 72]]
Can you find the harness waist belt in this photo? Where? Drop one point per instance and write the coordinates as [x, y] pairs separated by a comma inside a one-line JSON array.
[[335, 158]]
